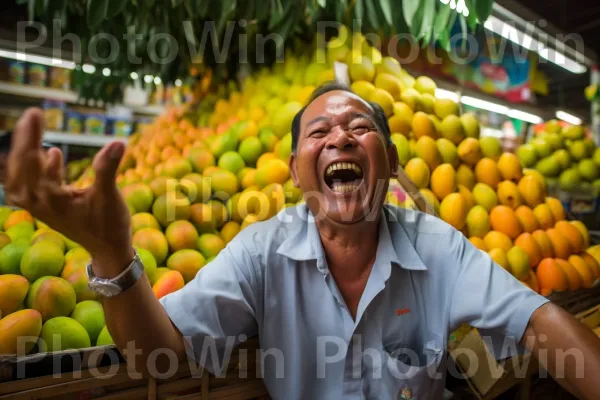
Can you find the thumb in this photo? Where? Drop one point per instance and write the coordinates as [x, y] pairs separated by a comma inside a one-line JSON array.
[[106, 164]]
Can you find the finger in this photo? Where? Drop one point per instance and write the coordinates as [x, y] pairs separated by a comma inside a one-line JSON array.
[[24, 159], [54, 165], [106, 164]]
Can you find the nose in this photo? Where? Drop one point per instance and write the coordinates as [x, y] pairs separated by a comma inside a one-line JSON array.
[[340, 139]]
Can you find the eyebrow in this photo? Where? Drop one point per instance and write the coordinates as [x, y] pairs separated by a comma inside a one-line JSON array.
[[355, 115], [317, 120]]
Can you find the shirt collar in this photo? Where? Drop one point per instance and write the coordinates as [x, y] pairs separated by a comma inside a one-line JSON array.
[[304, 243]]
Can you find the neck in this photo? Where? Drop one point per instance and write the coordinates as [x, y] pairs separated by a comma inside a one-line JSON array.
[[350, 249]]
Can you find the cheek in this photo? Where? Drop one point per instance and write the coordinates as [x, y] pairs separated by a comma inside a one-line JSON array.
[[307, 166]]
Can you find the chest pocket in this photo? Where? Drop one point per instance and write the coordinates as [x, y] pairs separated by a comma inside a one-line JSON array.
[[408, 374]]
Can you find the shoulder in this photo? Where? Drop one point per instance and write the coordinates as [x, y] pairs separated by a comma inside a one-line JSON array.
[[414, 222]]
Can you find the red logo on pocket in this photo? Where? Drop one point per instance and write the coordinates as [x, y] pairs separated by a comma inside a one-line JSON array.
[[402, 311]]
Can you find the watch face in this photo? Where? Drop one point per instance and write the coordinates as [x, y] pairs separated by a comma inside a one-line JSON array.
[[105, 289]]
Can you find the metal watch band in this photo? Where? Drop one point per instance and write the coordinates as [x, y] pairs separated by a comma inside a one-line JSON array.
[[112, 287]]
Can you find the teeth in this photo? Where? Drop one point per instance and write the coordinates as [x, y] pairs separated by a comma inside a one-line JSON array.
[[340, 166], [344, 188]]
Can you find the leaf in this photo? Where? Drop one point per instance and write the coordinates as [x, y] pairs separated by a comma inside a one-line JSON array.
[[175, 3], [409, 9], [428, 7], [372, 16], [386, 9], [483, 8], [441, 20], [359, 10], [322, 3], [115, 7], [31, 9], [96, 12], [202, 7], [472, 18]]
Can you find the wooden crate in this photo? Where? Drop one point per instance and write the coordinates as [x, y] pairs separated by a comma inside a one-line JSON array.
[[101, 373]]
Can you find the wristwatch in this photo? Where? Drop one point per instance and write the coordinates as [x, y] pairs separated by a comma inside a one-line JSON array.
[[112, 287]]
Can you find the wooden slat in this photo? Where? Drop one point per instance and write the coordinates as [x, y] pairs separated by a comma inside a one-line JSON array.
[[131, 394], [413, 192]]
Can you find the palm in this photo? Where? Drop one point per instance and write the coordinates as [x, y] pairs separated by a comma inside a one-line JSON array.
[[96, 217]]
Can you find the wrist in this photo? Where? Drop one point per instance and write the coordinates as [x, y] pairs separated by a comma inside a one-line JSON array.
[[107, 265]]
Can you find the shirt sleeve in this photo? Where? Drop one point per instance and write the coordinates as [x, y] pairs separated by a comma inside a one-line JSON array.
[[217, 309], [489, 298]]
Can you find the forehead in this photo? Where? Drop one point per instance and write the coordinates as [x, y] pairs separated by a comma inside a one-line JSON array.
[[335, 105]]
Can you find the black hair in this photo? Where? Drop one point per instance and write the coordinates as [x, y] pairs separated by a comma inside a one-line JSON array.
[[381, 121]]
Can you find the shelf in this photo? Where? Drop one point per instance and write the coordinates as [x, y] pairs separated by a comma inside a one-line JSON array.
[[81, 139], [38, 92], [150, 110]]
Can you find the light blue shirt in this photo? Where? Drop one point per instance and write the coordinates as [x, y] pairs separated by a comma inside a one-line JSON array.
[[272, 281]]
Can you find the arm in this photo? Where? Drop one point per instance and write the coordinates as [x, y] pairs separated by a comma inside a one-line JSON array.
[[98, 219], [568, 349]]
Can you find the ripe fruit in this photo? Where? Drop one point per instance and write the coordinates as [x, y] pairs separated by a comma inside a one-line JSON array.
[[465, 176], [210, 245], [491, 147], [229, 231], [586, 275], [543, 215], [532, 282], [531, 190], [499, 256], [487, 172], [467, 196], [470, 125], [556, 208], [445, 107], [443, 181], [171, 206], [453, 210], [149, 263], [139, 195], [13, 290], [143, 220], [181, 235], [274, 171], [503, 219], [196, 187], [544, 243], [478, 243], [10, 258], [18, 325], [104, 338], [560, 244], [63, 333], [154, 241], [169, 282], [200, 158], [469, 151], [17, 217], [572, 234], [447, 150], [52, 297], [422, 125], [384, 99], [584, 232], [42, 259], [593, 265], [250, 149], [573, 277], [418, 171], [224, 184], [451, 129], [478, 223], [188, 262], [551, 277], [431, 199], [510, 167], [508, 194], [519, 262], [527, 243], [485, 196], [494, 239]]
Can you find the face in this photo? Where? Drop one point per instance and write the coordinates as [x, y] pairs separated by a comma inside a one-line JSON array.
[[342, 163]]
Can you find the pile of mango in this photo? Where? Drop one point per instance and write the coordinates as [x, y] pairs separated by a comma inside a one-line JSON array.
[[565, 156], [192, 187]]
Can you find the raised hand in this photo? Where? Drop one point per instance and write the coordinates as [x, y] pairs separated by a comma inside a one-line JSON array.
[[96, 217]]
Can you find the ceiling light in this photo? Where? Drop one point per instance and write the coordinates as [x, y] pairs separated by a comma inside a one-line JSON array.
[[106, 72], [34, 58], [508, 31], [484, 105], [525, 116], [134, 75], [157, 81], [148, 78], [88, 68], [565, 116], [178, 82]]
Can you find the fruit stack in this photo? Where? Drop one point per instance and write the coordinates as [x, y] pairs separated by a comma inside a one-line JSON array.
[[564, 155], [475, 187]]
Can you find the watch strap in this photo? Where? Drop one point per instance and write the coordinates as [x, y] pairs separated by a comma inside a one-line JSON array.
[[113, 286]]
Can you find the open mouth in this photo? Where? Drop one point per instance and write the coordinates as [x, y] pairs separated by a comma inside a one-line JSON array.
[[343, 177]]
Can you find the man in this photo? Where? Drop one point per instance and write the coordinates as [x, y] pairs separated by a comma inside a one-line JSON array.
[[357, 297]]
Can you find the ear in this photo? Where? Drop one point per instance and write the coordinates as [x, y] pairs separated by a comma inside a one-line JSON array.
[[294, 170], [392, 153]]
